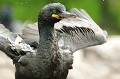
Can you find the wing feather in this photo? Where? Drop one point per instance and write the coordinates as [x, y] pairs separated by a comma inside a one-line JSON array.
[[13, 45], [76, 33], [80, 32], [6, 33], [30, 33]]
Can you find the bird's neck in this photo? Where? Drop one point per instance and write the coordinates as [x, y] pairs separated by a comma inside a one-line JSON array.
[[46, 39], [46, 33]]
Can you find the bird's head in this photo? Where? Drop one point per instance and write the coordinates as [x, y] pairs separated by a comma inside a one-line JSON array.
[[53, 13]]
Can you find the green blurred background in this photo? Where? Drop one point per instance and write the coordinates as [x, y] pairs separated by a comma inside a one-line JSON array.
[[105, 13]]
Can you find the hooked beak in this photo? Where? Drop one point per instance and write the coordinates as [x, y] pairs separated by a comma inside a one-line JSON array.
[[63, 15]]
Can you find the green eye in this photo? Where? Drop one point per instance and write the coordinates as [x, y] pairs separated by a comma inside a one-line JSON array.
[[54, 11]]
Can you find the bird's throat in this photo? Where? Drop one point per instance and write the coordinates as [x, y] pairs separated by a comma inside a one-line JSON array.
[[46, 33], [46, 40]]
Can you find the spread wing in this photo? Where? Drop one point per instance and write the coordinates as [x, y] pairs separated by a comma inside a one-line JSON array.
[[79, 32], [30, 33], [13, 45], [5, 34], [72, 34]]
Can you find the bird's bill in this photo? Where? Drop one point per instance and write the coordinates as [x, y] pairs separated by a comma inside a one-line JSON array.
[[63, 15]]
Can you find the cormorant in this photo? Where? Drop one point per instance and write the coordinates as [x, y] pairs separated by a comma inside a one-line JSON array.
[[44, 51]]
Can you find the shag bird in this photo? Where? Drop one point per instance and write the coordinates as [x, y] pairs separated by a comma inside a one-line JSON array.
[[44, 50]]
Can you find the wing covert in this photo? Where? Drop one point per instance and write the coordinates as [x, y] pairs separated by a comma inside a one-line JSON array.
[[80, 32]]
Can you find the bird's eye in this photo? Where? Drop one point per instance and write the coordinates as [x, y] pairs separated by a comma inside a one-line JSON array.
[[54, 11]]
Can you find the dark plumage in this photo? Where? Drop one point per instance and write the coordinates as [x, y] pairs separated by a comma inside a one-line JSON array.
[[51, 54], [47, 63]]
